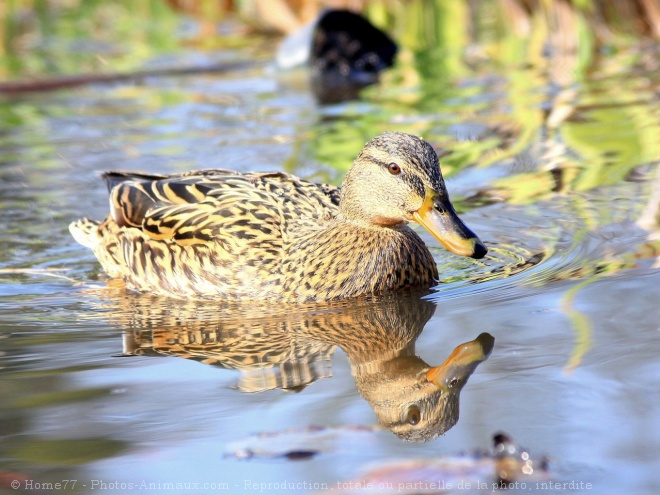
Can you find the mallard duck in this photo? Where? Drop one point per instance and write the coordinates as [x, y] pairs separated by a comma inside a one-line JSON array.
[[222, 234]]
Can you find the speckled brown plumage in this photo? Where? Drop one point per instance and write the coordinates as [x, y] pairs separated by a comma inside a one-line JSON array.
[[221, 234]]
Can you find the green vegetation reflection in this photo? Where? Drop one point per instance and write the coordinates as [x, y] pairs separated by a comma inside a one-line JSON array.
[[67, 452]]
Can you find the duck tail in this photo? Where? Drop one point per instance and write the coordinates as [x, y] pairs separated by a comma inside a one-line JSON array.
[[86, 232], [112, 178]]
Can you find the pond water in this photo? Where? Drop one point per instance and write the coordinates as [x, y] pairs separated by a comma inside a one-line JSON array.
[[112, 389]]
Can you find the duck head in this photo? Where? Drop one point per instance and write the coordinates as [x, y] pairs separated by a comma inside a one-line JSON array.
[[396, 179]]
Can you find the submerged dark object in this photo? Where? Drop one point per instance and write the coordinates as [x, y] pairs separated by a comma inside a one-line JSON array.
[[348, 52], [484, 470]]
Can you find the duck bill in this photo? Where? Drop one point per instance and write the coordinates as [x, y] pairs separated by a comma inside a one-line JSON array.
[[461, 363], [437, 215]]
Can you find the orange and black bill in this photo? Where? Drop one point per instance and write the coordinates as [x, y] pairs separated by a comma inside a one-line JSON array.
[[458, 367], [437, 215]]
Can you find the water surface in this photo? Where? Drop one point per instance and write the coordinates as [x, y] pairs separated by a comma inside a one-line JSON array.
[[102, 386]]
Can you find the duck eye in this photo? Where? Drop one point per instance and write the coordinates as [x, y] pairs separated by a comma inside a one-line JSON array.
[[414, 415], [394, 169]]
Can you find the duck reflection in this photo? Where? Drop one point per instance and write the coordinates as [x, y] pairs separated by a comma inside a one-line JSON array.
[[274, 348]]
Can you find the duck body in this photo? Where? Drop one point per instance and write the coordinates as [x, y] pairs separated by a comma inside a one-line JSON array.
[[224, 235]]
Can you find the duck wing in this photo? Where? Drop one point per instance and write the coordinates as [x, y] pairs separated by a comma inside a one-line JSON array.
[[134, 194], [222, 206]]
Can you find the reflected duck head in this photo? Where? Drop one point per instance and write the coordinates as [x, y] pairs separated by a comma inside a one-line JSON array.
[[418, 402]]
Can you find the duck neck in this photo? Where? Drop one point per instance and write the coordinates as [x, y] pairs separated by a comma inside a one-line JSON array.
[[371, 222]]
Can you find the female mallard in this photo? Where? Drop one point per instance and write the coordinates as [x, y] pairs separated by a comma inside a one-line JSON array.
[[222, 234]]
